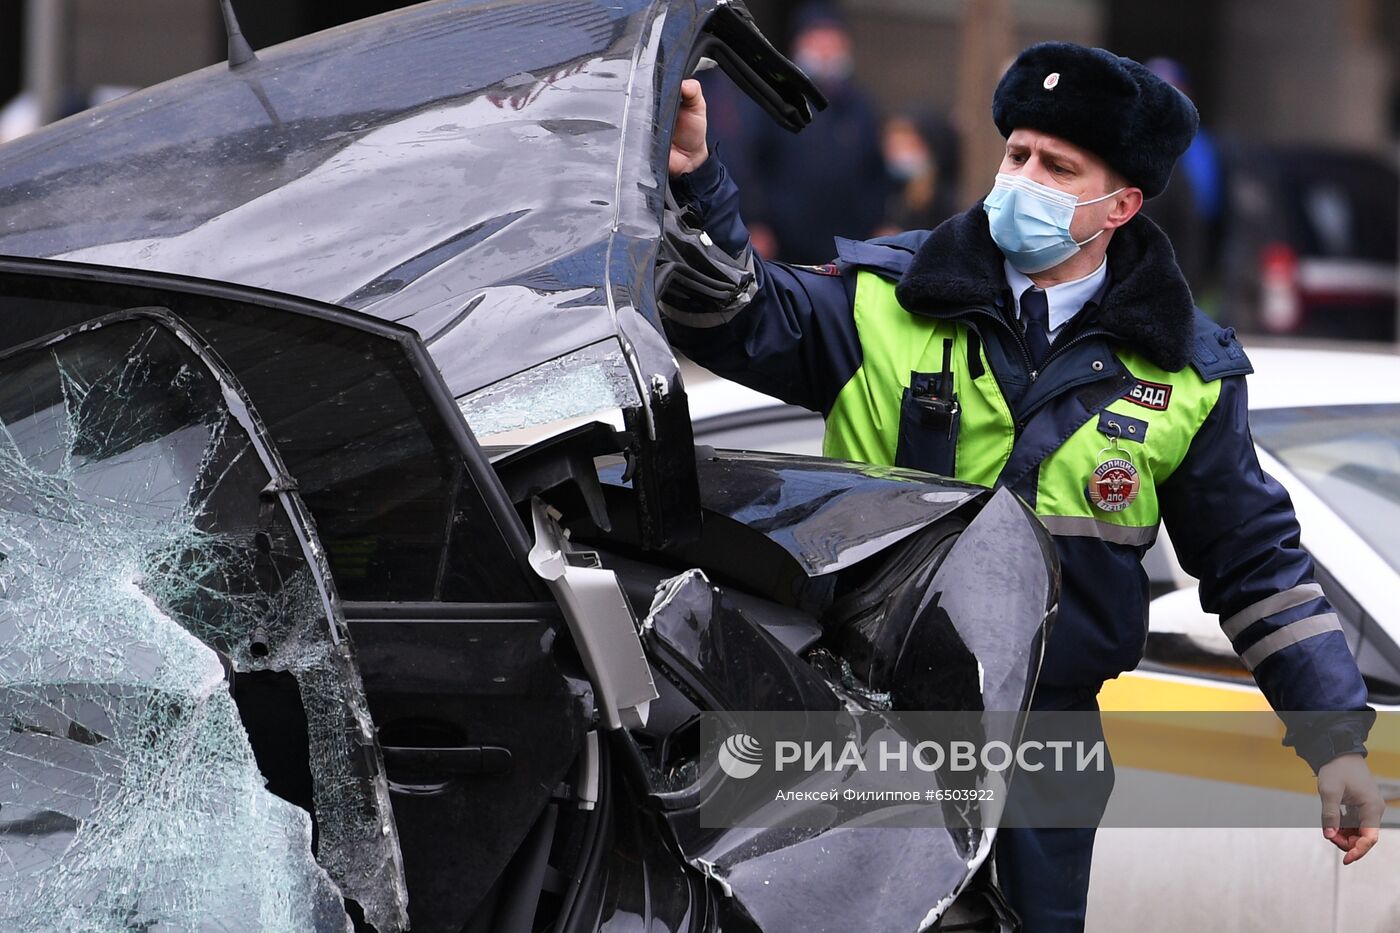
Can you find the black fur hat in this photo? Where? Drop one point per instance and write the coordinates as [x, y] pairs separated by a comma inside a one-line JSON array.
[[1110, 105]]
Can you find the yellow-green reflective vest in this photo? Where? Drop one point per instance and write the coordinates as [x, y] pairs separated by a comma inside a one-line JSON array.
[[1151, 427]]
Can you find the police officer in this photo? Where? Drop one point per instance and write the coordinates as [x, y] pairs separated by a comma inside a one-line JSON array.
[[1046, 341]]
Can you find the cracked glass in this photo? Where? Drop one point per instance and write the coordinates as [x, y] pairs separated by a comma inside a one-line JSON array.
[[591, 380], [187, 741]]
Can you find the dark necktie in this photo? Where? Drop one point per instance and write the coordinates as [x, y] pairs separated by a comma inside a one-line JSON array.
[[1035, 317]]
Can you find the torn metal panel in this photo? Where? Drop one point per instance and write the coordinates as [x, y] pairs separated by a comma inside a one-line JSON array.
[[839, 673], [994, 593], [818, 517], [154, 552], [712, 645], [506, 162], [826, 515], [973, 640]]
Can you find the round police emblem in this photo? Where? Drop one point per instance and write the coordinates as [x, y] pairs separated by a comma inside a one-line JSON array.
[[1114, 485]]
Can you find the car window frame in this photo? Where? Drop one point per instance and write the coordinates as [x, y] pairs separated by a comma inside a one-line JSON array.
[[57, 274]]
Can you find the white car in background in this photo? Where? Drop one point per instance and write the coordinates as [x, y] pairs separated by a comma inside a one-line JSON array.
[[1326, 424]]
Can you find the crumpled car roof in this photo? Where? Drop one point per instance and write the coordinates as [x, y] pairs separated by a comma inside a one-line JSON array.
[[483, 172]]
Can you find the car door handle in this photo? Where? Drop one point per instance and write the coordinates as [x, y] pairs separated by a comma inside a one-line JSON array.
[[464, 759]]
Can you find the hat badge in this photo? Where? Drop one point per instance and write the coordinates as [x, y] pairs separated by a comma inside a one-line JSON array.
[[1052, 79]]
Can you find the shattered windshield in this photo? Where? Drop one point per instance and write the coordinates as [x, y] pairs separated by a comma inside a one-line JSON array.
[[188, 745]]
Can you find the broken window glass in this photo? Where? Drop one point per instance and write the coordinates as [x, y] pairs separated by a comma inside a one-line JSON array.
[[593, 379], [188, 744]]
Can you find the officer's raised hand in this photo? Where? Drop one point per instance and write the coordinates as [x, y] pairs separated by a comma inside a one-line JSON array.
[[1345, 780], [688, 149]]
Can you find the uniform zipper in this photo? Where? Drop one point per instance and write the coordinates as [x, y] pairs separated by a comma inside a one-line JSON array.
[[1019, 423], [1016, 333], [1078, 338]]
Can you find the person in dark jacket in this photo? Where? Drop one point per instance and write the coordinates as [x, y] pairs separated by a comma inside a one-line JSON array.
[[1081, 376], [921, 157], [1190, 209], [830, 181]]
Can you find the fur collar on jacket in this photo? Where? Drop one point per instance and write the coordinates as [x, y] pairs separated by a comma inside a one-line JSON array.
[[1148, 305]]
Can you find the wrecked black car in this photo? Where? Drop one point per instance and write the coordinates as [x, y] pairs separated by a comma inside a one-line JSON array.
[[283, 647]]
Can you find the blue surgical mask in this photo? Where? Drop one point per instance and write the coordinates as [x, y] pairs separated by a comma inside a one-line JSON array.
[[907, 167], [1030, 222]]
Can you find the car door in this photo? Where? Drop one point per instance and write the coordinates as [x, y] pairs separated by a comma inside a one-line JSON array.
[[469, 685], [475, 705], [479, 702]]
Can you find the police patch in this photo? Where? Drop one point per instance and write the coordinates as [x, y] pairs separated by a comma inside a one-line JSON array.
[[1153, 395], [1114, 485]]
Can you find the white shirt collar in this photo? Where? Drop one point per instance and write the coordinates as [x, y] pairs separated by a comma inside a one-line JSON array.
[[1065, 299]]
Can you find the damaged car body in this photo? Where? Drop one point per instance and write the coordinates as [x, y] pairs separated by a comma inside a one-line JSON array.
[[284, 647]]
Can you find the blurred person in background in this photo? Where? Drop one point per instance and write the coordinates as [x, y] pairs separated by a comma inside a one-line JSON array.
[[921, 156], [830, 181], [1175, 210], [1191, 209], [1201, 160]]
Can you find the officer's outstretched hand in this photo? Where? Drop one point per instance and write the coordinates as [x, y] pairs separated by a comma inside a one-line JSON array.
[[1345, 780], [688, 149]]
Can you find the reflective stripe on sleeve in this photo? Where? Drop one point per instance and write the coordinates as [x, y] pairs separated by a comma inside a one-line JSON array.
[[1268, 606], [1071, 526], [1290, 634]]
